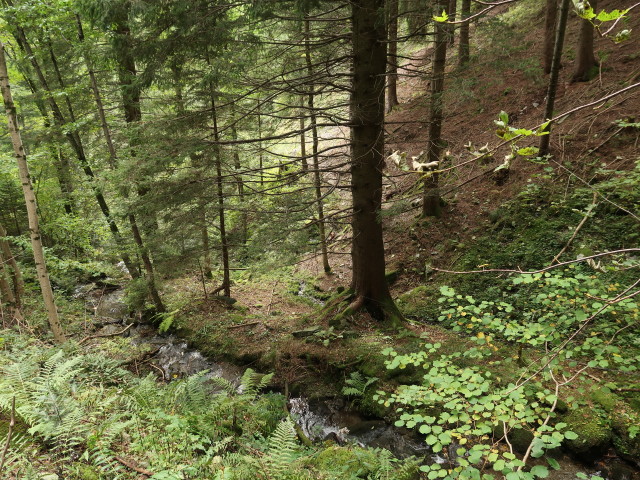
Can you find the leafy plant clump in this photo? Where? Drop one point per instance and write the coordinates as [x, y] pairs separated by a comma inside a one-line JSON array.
[[99, 421]]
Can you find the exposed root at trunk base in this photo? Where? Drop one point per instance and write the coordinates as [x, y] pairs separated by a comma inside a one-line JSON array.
[[382, 311]]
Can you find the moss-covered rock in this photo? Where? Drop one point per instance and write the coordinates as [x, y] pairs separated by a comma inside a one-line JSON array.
[[626, 434], [605, 398], [594, 433]]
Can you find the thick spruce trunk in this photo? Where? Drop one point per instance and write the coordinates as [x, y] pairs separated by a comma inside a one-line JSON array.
[[463, 45], [550, 17], [367, 161], [586, 62], [30, 201]]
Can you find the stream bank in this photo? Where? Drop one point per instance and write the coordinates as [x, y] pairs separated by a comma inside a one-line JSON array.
[[327, 417]]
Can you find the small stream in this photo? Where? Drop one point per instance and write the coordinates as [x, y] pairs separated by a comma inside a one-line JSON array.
[[322, 419]]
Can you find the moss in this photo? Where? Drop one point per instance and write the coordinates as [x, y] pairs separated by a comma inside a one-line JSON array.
[[81, 471], [594, 433], [416, 302], [347, 462], [605, 398], [626, 437]]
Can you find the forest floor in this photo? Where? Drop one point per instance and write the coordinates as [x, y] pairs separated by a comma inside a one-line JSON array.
[[277, 323]]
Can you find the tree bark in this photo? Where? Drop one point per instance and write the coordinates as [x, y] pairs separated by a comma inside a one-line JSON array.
[[106, 131], [367, 161], [555, 73], [317, 181], [240, 183], [392, 55], [452, 10], [431, 206], [550, 17], [15, 273], [30, 201], [224, 246], [586, 62], [463, 45], [303, 138]]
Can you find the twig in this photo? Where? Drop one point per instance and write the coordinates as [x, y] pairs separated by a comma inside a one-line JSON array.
[[575, 232], [164, 377], [12, 423], [271, 299], [131, 464], [106, 334], [243, 325]]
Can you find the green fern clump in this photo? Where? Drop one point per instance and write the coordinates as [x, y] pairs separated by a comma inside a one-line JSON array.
[[356, 385]]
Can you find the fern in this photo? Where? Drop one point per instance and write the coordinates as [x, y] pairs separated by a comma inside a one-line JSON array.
[[283, 445], [357, 384], [252, 382]]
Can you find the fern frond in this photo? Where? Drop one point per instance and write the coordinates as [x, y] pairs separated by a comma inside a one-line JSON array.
[[283, 445]]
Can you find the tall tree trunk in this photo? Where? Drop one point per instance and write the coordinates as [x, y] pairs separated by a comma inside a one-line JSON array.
[[463, 45], [106, 131], [260, 153], [431, 201], [586, 62], [550, 17], [392, 55], [367, 161], [239, 182], [451, 11], [198, 162], [30, 201], [76, 144], [317, 181], [16, 274], [226, 277], [555, 73], [130, 92], [303, 137]]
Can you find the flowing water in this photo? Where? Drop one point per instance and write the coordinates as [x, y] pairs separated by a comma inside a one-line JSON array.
[[322, 419]]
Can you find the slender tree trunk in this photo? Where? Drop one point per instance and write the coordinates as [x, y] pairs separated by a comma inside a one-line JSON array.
[[392, 56], [586, 62], [240, 183], [260, 153], [226, 277], [30, 201], [555, 73], [148, 266], [431, 202], [106, 131], [551, 14], [130, 92], [317, 181], [367, 161], [452, 10], [16, 274], [6, 292], [463, 45], [303, 138], [75, 142]]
